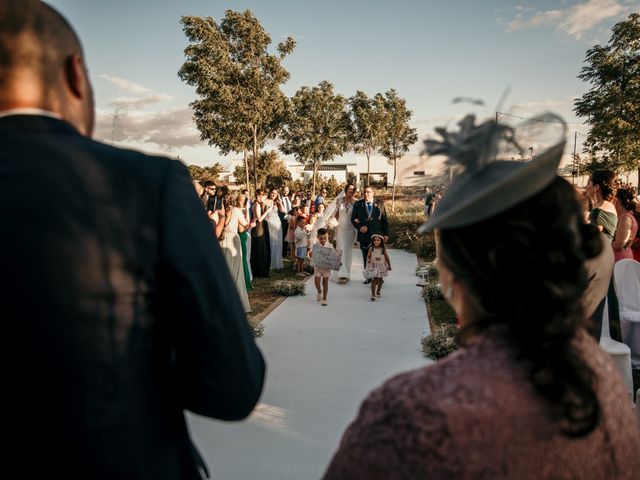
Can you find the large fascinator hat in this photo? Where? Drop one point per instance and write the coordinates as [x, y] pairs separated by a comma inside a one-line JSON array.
[[489, 179]]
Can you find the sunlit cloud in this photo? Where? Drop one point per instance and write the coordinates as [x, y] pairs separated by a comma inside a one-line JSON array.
[[167, 129], [574, 21], [126, 85], [139, 103]]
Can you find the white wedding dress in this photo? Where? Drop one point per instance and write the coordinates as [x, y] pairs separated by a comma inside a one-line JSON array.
[[275, 238], [345, 237]]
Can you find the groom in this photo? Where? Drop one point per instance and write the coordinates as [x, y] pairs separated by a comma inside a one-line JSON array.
[[369, 217]]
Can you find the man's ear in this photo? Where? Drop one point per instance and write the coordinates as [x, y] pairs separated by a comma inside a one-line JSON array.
[[75, 76]]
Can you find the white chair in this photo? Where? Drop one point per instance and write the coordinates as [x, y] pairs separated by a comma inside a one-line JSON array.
[[619, 352], [626, 278]]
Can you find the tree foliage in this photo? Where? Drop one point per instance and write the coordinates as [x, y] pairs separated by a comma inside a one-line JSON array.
[[318, 126], [397, 135], [272, 171], [612, 104], [202, 174], [240, 104], [367, 124]]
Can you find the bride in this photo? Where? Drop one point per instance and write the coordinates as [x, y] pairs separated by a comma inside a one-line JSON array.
[[338, 215], [345, 233]]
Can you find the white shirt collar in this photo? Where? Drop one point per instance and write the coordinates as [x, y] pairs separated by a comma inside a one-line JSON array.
[[29, 111]]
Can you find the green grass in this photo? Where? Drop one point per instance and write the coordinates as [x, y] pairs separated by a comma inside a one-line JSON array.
[[262, 295]]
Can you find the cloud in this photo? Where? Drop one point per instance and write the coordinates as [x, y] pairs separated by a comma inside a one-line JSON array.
[[574, 21], [126, 85], [168, 129], [127, 103]]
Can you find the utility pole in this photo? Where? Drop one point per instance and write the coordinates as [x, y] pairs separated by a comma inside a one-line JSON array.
[[575, 159]]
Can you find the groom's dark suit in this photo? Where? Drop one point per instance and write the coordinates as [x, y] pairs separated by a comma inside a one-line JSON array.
[[117, 308], [376, 222]]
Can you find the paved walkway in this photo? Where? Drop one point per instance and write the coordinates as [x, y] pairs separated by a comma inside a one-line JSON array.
[[321, 363]]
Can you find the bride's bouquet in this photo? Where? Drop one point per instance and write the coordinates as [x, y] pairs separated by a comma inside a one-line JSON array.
[[332, 223]]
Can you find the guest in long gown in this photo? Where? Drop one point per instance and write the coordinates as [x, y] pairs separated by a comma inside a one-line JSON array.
[[241, 202], [260, 247], [232, 248], [528, 394], [274, 207], [345, 233], [627, 227], [601, 190]]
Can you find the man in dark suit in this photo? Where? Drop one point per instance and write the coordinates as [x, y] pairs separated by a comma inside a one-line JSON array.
[[118, 312], [369, 217]]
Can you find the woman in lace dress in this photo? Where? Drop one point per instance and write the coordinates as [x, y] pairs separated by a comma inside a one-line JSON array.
[[345, 233], [232, 249], [528, 394], [273, 206]]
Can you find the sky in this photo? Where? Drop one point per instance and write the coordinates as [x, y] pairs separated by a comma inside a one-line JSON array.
[[526, 52]]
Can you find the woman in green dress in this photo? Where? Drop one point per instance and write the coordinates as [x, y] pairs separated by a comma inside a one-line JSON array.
[[244, 237]]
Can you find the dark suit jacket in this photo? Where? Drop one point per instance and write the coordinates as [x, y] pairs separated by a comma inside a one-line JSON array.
[[376, 223], [117, 309]]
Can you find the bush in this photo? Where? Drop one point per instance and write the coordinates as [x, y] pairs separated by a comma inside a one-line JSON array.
[[431, 291], [288, 288], [403, 226], [256, 327], [440, 343]]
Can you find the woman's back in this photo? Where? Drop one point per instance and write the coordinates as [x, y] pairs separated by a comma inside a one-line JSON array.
[[475, 415]]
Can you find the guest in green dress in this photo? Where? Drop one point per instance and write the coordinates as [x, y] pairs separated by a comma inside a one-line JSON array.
[[244, 237]]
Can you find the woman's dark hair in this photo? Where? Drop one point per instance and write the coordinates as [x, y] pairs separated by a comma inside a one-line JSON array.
[[626, 197], [347, 187], [606, 180], [524, 272]]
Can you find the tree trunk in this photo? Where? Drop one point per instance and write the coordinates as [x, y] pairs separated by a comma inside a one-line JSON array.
[[393, 193], [368, 169], [246, 169], [313, 180], [255, 159], [638, 189]]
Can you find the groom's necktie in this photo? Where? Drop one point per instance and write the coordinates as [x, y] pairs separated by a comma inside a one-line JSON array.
[[369, 208]]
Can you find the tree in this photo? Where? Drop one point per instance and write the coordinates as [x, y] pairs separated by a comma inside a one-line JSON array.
[[612, 105], [241, 105], [318, 127], [367, 121], [205, 173], [271, 171], [397, 136]]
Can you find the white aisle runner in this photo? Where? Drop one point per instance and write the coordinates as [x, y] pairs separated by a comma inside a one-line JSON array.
[[321, 363]]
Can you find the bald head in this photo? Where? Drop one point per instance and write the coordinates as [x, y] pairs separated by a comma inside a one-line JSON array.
[[41, 63]]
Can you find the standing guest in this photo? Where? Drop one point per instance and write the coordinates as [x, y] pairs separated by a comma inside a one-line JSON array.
[[428, 202], [241, 203], [308, 202], [215, 201], [118, 310], [368, 218], [627, 227], [378, 258], [528, 394], [296, 202], [284, 218], [320, 274], [260, 245], [291, 231], [302, 244], [209, 193], [231, 246], [345, 233], [601, 190], [276, 239], [320, 209], [319, 199]]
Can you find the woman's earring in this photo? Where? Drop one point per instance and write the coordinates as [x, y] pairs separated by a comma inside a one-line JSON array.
[[448, 293]]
